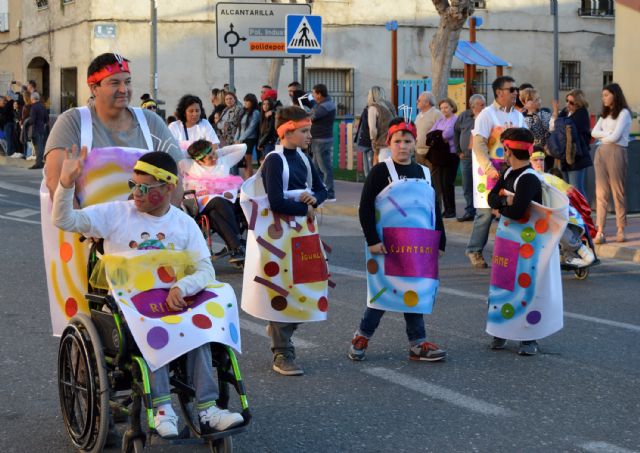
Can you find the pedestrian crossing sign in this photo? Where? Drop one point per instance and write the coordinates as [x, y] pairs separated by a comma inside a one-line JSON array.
[[304, 34]]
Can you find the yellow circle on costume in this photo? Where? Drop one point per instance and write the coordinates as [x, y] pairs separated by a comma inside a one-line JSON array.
[[172, 319], [215, 310], [410, 298], [144, 281]]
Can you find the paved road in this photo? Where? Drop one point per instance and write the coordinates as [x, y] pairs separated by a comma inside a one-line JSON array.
[[581, 394]]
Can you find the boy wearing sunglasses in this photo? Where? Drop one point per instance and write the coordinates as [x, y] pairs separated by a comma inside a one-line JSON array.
[[150, 215]]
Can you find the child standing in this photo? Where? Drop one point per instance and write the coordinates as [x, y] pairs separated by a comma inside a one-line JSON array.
[[409, 280]]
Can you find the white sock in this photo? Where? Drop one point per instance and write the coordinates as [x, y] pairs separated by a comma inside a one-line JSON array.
[[165, 409]]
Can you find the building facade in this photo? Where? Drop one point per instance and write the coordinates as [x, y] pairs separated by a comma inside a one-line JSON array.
[[53, 42]]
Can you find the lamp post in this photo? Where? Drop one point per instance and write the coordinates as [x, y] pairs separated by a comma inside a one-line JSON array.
[[556, 69], [154, 51], [392, 26]]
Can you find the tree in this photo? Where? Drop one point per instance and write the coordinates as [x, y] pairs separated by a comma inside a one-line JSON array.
[[453, 15]]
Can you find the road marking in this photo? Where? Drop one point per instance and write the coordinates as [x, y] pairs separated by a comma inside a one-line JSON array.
[[15, 219], [466, 294], [604, 447], [260, 329], [22, 213], [439, 393], [19, 188]]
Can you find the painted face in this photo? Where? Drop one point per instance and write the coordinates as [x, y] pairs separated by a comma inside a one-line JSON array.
[[571, 103], [446, 109], [210, 159], [113, 92], [538, 164], [150, 195], [192, 114], [607, 98], [229, 100], [402, 144], [506, 96], [300, 138]]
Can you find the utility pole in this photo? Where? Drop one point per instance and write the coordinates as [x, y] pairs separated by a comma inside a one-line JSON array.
[[556, 68], [154, 51]]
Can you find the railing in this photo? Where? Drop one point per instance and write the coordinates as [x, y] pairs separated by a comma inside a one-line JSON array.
[[596, 9]]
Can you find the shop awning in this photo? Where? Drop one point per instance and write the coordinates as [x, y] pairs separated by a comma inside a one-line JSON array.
[[475, 53]]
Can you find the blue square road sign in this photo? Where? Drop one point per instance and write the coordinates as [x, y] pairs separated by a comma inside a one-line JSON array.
[[304, 34]]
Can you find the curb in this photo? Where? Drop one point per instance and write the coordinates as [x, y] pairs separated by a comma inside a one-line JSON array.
[[20, 163]]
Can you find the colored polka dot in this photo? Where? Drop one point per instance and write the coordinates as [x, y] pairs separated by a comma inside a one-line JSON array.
[[201, 321], [372, 266], [264, 212], [303, 299], [506, 223], [526, 251], [229, 305], [158, 337], [524, 303], [228, 195], [500, 152], [482, 188], [271, 269], [524, 280], [542, 226], [323, 304], [274, 232], [71, 307], [410, 298], [528, 234], [144, 281], [233, 332], [480, 171], [534, 317], [181, 334], [215, 310], [171, 319], [166, 274], [525, 218], [279, 303], [66, 252], [507, 311]]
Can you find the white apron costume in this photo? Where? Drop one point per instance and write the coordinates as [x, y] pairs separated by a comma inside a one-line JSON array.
[[140, 282], [285, 272], [482, 185], [105, 176], [525, 295], [406, 278]]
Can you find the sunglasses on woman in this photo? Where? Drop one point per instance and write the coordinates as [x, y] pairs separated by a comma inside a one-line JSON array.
[[143, 188], [570, 102]]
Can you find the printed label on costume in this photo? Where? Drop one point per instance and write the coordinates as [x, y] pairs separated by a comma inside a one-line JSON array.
[[504, 263], [309, 264], [411, 252]]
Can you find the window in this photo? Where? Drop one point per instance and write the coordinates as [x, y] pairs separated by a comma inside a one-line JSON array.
[[68, 88], [339, 84], [482, 4], [4, 15], [607, 78], [42, 4], [479, 84], [569, 75], [596, 8]]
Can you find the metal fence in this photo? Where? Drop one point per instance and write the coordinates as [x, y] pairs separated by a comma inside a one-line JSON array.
[[569, 75], [339, 84], [597, 8]]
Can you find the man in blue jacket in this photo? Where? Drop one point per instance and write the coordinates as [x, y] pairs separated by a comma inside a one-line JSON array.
[[323, 115]]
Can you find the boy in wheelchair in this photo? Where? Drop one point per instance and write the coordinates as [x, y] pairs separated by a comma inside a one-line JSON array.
[[123, 223], [206, 175]]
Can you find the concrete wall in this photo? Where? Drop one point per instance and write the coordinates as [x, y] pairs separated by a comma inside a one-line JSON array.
[[626, 66], [11, 55]]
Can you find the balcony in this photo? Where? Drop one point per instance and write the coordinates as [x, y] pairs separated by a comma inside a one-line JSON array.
[[596, 8]]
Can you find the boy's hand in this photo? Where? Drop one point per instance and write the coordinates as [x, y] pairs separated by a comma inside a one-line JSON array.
[[175, 300], [378, 249], [495, 212], [311, 213], [492, 173], [307, 198], [509, 200], [72, 166]]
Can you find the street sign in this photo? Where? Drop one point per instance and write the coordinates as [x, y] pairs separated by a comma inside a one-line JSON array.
[[254, 30], [304, 34], [104, 31]]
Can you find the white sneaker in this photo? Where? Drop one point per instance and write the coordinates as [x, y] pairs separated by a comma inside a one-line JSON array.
[[220, 419], [31, 158], [166, 424], [17, 156]]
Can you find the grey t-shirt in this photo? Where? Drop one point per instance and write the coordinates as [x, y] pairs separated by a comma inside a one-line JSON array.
[[66, 132]]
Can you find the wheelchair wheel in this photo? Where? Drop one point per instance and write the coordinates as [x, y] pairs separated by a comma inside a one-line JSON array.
[[83, 386], [224, 445], [582, 274]]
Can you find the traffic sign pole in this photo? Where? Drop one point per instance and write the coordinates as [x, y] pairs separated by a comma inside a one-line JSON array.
[[232, 86]]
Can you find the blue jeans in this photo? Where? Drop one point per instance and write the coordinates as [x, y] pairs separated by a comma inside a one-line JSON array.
[[577, 179], [8, 136], [466, 172], [480, 232], [200, 372], [414, 325], [367, 159], [322, 150], [38, 147]]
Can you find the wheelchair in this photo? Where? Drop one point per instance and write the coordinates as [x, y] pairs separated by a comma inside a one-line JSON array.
[[103, 378], [190, 206]]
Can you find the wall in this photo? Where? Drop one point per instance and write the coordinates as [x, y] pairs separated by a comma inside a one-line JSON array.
[[625, 62]]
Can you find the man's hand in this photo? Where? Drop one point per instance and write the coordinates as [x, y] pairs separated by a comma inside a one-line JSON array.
[[175, 300], [307, 198], [72, 166], [311, 213], [378, 249]]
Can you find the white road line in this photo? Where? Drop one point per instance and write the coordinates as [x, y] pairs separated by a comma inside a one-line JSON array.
[[19, 188], [22, 213], [468, 295], [440, 393], [15, 219], [259, 329], [604, 447]]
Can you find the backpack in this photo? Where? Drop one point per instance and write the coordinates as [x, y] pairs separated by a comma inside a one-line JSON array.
[[564, 142], [362, 137]]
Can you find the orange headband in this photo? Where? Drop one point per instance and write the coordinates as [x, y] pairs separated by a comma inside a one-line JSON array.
[[292, 126], [406, 127], [107, 71], [515, 144]]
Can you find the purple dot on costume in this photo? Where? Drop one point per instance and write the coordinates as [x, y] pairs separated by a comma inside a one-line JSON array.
[[158, 337], [480, 172], [233, 332], [534, 317]]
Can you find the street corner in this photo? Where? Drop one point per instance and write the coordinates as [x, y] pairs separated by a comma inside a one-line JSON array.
[[11, 162]]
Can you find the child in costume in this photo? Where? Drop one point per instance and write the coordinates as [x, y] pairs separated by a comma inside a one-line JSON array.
[[285, 275], [154, 179], [404, 232], [207, 172], [525, 296]]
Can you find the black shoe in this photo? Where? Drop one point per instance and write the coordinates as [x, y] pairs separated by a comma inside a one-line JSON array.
[[237, 255], [498, 343], [466, 217], [528, 348], [36, 167], [448, 215], [221, 254]]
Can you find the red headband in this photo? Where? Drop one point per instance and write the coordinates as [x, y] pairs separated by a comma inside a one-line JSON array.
[[515, 144], [107, 71], [292, 126], [405, 127]]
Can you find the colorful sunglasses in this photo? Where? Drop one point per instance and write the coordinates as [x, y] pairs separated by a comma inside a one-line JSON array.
[[143, 188]]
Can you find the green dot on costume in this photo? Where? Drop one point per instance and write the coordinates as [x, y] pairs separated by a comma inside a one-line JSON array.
[[482, 188], [507, 311], [528, 234]]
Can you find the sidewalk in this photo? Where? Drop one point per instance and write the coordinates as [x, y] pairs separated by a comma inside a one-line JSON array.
[[348, 198]]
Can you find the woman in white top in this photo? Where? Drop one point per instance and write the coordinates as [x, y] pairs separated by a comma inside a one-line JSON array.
[[192, 123], [610, 163]]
